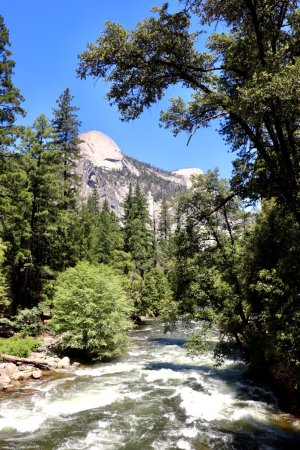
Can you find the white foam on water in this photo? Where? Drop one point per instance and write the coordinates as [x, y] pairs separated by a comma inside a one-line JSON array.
[[32, 418], [19, 420], [182, 444], [79, 401], [94, 440], [189, 432], [202, 395], [164, 375], [108, 370], [206, 406], [160, 445], [254, 411]]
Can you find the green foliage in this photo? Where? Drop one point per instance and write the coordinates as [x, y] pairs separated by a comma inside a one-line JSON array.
[[19, 346], [155, 293], [10, 97], [91, 311], [41, 160], [207, 280], [66, 125], [4, 301], [271, 267], [26, 321], [99, 230], [137, 236]]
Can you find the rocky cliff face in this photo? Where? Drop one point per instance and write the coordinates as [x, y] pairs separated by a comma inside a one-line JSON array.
[[103, 165]]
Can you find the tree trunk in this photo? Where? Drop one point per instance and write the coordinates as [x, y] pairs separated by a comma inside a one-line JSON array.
[[30, 361]]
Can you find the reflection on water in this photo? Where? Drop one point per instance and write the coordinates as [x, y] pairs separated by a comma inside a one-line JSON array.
[[153, 398]]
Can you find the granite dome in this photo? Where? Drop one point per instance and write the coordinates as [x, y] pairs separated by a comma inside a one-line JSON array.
[[103, 165], [101, 150]]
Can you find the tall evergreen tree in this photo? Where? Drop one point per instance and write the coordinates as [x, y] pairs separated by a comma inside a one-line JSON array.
[[163, 246], [10, 97], [44, 186], [110, 238], [165, 221], [137, 235], [4, 301], [14, 196], [66, 125]]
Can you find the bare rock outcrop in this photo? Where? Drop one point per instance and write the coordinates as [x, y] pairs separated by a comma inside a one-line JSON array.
[[103, 165]]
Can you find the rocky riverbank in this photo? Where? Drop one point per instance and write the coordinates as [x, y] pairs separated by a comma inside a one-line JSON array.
[[15, 371]]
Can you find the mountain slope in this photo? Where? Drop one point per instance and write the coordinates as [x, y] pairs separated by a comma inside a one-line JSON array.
[[103, 165]]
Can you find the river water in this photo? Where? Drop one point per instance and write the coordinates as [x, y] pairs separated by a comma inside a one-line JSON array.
[[155, 397]]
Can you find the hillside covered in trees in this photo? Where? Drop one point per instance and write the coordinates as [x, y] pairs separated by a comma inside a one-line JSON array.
[[205, 258]]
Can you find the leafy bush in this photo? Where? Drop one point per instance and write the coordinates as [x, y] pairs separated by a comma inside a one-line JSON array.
[[27, 321], [91, 311], [19, 346]]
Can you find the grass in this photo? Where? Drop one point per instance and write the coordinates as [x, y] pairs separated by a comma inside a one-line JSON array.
[[19, 346]]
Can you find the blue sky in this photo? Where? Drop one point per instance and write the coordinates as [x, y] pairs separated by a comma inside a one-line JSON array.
[[46, 38]]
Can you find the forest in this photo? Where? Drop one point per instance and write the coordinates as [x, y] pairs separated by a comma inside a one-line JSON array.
[[206, 259]]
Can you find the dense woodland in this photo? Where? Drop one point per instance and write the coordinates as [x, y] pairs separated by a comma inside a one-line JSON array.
[[206, 258]]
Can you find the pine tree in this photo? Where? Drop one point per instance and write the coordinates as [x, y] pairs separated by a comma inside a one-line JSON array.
[[155, 292], [137, 235], [165, 222], [15, 207], [10, 97], [66, 125], [110, 237], [164, 234], [44, 185], [4, 301]]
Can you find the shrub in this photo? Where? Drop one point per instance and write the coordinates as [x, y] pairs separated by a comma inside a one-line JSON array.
[[27, 321], [91, 311], [19, 346]]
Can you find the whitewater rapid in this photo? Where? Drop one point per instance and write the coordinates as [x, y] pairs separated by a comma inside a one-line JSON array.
[[155, 397]]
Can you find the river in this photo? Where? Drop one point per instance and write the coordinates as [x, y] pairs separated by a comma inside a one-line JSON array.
[[155, 397]]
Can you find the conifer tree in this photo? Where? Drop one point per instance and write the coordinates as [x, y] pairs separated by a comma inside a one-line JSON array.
[[164, 234], [164, 223], [155, 292], [137, 236], [44, 185], [4, 302], [65, 125], [110, 237], [13, 178], [10, 97]]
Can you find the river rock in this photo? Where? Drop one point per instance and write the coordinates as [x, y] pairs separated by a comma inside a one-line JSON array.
[[64, 363], [11, 370], [36, 374], [75, 364], [52, 362], [27, 374], [4, 380]]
